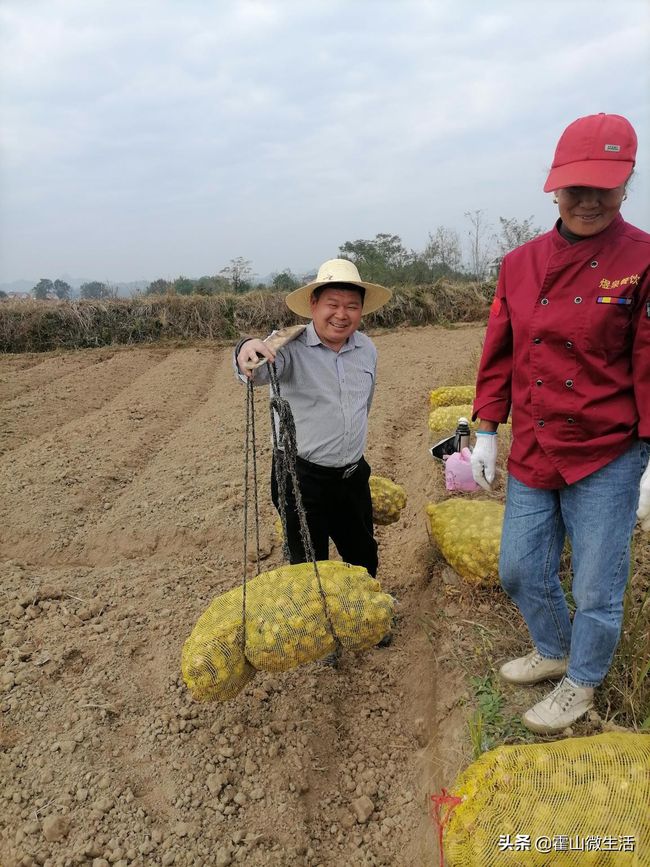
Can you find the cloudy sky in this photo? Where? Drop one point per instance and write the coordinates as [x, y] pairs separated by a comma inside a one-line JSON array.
[[147, 138]]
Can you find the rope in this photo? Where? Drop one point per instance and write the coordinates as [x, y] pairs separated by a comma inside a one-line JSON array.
[[444, 799], [250, 447], [285, 453]]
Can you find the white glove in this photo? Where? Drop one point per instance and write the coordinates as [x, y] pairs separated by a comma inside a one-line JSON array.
[[484, 459], [643, 512]]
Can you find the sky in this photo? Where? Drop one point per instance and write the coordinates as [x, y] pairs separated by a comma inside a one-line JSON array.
[[153, 138]]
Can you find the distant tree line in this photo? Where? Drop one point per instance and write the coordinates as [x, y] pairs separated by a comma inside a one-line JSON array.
[[45, 289], [49, 290], [383, 259], [236, 277]]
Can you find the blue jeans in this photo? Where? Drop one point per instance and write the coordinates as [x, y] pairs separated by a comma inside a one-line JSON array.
[[598, 515]]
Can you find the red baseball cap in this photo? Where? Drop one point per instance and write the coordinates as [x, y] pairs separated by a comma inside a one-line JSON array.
[[594, 151]]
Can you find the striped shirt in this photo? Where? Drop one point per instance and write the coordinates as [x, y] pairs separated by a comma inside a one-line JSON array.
[[329, 392]]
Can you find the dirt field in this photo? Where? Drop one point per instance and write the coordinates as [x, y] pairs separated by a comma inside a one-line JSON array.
[[121, 518]]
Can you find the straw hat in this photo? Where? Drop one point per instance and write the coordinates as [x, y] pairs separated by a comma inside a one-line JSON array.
[[337, 271]]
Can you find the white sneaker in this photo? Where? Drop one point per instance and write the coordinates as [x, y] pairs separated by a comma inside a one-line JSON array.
[[561, 707], [533, 668]]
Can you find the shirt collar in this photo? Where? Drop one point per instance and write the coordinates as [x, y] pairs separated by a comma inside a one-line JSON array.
[[591, 241], [312, 339]]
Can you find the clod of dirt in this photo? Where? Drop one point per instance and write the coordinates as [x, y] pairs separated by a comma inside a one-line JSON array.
[[56, 828], [363, 808]]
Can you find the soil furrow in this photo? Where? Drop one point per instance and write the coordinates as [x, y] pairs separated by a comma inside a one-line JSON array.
[[97, 726], [53, 404], [22, 373], [203, 494], [67, 478]]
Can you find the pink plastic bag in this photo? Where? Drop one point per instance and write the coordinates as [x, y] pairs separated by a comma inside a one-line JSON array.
[[458, 472]]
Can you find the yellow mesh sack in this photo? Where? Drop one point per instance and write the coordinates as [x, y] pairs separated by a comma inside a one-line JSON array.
[[468, 533], [445, 418], [286, 625], [286, 620], [451, 394], [585, 800], [388, 500], [212, 661]]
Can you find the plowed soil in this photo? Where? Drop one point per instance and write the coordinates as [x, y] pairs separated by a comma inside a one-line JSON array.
[[120, 519]]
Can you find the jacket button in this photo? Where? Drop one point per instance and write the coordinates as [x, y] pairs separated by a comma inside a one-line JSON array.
[[544, 301], [569, 383], [577, 300], [593, 264], [541, 422], [570, 421], [537, 339], [569, 344], [539, 382]]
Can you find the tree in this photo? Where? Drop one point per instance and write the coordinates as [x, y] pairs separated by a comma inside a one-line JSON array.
[[285, 281], [95, 289], [479, 250], [382, 260], [443, 249], [3, 294], [158, 287], [183, 286], [514, 233], [211, 285], [62, 290], [43, 290], [238, 273]]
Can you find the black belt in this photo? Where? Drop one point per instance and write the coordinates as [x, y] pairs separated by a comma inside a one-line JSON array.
[[331, 472]]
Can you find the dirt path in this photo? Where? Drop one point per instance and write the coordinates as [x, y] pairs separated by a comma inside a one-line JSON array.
[[121, 520]]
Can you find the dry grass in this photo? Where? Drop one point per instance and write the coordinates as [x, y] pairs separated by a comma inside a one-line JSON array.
[[39, 326], [625, 696]]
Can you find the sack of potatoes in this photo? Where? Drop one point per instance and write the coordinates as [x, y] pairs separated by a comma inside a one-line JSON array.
[[558, 791], [468, 533], [445, 418], [290, 618], [448, 395], [388, 500]]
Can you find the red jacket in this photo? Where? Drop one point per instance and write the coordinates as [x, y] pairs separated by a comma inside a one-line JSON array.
[[568, 345]]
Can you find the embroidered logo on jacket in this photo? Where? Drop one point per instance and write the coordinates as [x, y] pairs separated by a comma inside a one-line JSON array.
[[632, 280]]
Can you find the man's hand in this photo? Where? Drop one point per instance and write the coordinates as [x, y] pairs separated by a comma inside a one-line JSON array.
[[249, 355], [484, 459], [643, 512]]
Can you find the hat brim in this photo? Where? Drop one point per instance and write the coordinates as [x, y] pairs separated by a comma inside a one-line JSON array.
[[375, 296], [603, 174]]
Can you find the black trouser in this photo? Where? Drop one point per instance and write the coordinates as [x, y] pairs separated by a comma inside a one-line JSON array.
[[337, 508]]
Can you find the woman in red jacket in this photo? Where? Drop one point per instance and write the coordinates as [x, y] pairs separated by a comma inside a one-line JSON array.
[[568, 349]]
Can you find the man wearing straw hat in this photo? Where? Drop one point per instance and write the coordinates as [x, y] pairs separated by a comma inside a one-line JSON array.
[[327, 374]]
